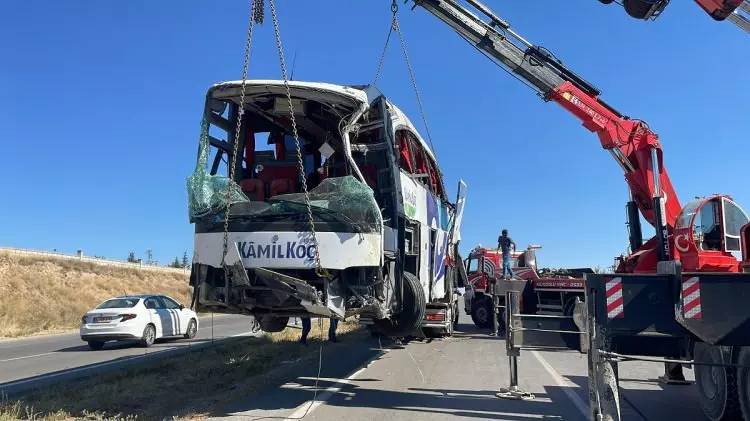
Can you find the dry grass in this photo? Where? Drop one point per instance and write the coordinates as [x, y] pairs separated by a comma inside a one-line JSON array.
[[186, 387], [48, 294]]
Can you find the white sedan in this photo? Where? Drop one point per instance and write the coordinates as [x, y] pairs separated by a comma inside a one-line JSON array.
[[141, 317]]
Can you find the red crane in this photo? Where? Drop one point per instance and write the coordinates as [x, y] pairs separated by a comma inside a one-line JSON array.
[[681, 234]]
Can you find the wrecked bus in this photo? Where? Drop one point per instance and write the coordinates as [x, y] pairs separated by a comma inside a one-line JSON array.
[[385, 234]]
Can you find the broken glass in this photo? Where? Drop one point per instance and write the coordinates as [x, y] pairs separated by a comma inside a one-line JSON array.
[[207, 194], [345, 198]]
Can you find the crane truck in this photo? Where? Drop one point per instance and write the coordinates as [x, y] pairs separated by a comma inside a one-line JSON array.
[[547, 291], [679, 297]]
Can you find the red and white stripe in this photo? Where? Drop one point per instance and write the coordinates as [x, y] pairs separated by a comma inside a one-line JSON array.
[[691, 298], [615, 308]]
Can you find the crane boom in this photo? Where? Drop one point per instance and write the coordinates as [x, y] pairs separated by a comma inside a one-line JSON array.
[[630, 141]]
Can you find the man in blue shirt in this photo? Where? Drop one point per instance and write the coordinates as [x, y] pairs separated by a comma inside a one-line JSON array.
[[504, 244]]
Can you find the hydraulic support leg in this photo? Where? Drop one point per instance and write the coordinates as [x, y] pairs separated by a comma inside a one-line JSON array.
[[604, 393], [512, 306]]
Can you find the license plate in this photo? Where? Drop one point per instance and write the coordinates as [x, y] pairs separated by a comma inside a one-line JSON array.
[[102, 319]]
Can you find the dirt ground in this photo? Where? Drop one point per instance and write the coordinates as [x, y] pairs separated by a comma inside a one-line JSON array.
[[49, 294]]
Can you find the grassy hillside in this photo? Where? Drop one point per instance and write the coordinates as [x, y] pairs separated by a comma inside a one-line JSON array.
[[47, 294]]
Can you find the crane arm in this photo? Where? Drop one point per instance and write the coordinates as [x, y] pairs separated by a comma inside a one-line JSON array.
[[633, 145]]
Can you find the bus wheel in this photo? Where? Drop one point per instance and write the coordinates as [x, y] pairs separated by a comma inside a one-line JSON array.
[[273, 324], [717, 386], [412, 312]]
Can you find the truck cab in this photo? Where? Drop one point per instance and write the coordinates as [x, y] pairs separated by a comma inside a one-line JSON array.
[[544, 290]]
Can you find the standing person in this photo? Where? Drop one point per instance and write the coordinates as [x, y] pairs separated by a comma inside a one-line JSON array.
[[503, 243], [307, 326], [334, 323]]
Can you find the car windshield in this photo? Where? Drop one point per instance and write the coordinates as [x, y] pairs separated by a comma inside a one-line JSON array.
[[119, 303]]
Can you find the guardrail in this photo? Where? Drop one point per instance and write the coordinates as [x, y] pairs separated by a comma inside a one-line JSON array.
[[95, 260]]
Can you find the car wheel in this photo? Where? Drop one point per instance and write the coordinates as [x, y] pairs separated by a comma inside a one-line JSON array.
[[192, 329], [96, 345], [149, 336]]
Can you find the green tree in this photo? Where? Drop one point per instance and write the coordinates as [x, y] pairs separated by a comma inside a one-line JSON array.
[[131, 257], [176, 263], [185, 260]]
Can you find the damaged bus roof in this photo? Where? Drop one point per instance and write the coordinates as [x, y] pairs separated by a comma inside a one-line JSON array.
[[352, 97]]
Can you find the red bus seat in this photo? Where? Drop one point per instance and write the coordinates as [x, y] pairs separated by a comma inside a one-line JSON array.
[[281, 186], [254, 189]]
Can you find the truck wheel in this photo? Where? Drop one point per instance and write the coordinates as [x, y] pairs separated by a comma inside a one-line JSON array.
[[638, 8], [433, 332], [717, 386], [273, 324], [412, 313], [743, 381], [481, 314]]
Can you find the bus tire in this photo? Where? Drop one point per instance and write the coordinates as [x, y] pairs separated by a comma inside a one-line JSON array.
[[272, 324], [412, 312]]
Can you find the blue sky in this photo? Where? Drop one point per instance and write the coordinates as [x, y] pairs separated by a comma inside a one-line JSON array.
[[101, 103]]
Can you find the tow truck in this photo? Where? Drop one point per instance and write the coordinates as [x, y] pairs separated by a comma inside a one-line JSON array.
[[678, 298], [547, 290]]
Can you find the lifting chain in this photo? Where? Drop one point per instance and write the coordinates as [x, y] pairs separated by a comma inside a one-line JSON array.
[[395, 27], [319, 270], [256, 11]]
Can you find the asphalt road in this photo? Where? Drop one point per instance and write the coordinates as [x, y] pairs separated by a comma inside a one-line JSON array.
[[455, 378], [452, 378], [28, 361]]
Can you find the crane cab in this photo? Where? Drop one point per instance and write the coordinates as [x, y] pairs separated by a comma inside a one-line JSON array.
[[709, 234]]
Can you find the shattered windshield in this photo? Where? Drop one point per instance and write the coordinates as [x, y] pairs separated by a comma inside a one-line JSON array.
[[207, 193], [337, 199]]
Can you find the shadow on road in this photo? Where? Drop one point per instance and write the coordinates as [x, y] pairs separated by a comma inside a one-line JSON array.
[[476, 404], [371, 394]]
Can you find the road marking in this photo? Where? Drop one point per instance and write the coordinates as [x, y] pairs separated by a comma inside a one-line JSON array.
[[26, 356], [566, 385], [47, 376], [250, 333], [308, 407]]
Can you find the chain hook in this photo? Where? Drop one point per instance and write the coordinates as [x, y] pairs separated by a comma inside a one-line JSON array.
[[394, 7]]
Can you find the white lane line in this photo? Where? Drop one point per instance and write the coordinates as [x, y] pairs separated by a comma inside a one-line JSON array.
[[566, 385], [15, 383], [54, 352], [26, 356], [308, 407]]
